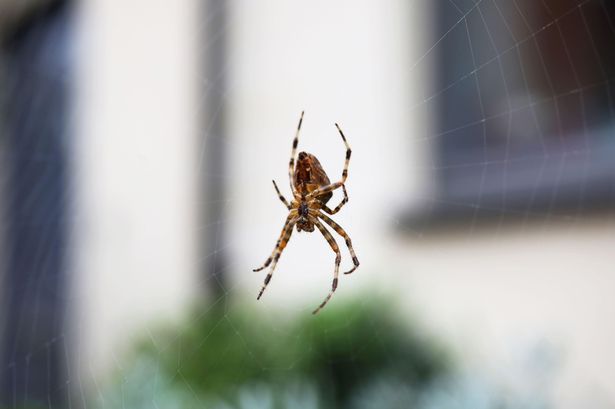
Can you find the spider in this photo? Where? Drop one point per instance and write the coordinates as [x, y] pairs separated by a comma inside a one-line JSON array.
[[311, 190]]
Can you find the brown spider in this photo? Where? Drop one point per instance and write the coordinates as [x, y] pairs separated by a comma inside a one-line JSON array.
[[311, 189]]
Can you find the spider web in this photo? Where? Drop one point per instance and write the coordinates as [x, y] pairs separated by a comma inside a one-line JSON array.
[[454, 111]]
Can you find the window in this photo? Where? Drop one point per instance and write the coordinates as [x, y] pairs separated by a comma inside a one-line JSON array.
[[525, 104]]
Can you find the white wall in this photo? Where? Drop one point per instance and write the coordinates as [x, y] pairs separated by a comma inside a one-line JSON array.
[[345, 62], [135, 172], [512, 300]]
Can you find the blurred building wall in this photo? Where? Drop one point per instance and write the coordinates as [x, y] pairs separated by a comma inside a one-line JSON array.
[[516, 300], [493, 293], [530, 305], [136, 153]]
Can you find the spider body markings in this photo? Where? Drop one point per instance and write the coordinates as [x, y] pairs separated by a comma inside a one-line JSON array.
[[311, 190], [309, 176]]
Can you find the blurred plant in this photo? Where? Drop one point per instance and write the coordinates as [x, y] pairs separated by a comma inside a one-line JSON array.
[[234, 358], [357, 355]]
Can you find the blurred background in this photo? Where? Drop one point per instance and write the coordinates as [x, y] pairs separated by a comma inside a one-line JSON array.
[[138, 141]]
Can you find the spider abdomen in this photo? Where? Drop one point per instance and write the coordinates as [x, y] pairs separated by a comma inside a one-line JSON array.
[[309, 176]]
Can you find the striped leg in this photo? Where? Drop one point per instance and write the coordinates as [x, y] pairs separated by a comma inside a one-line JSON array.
[[279, 248], [329, 188], [291, 164], [282, 198], [339, 206], [288, 224], [342, 233], [338, 259]]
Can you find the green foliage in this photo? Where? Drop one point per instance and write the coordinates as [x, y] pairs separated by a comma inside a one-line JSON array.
[[223, 352]]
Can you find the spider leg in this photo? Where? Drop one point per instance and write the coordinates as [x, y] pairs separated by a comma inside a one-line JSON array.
[[279, 248], [287, 224], [331, 187], [342, 233], [339, 206], [282, 198], [338, 259], [291, 163]]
